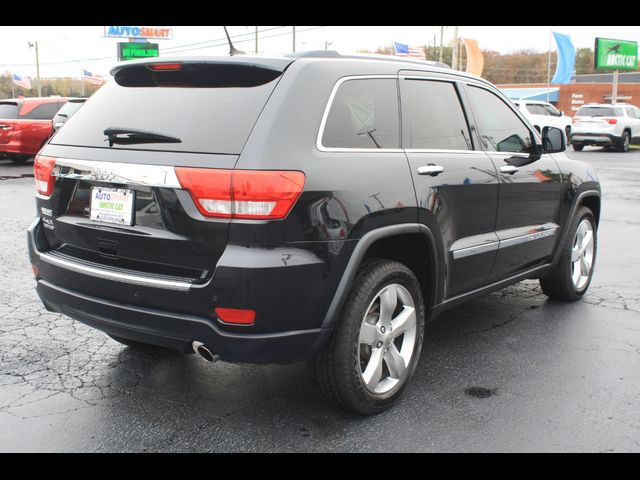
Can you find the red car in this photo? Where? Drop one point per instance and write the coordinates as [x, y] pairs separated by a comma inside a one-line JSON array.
[[25, 125]]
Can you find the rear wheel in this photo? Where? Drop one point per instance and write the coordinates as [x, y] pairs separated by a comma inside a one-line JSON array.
[[572, 276], [15, 158], [374, 350], [623, 145], [577, 147]]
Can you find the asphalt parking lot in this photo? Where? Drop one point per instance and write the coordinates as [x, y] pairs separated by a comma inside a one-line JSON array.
[[511, 371]]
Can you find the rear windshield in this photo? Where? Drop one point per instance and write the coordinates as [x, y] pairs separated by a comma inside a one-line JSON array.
[[212, 111], [8, 110], [599, 112], [67, 110]]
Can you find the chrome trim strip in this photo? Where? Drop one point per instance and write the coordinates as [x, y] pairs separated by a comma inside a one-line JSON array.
[[475, 250], [120, 173], [539, 231], [115, 276], [542, 233]]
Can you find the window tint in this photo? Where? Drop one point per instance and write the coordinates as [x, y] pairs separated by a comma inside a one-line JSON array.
[[364, 114], [536, 109], [500, 128], [66, 111], [46, 111], [552, 110], [8, 110], [599, 112], [435, 116], [206, 119]]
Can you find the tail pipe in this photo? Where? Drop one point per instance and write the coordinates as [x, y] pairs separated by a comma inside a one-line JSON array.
[[206, 354]]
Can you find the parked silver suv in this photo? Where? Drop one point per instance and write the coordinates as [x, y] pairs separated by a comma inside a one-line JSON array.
[[606, 125]]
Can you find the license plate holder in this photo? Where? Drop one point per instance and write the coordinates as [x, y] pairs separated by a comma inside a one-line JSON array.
[[112, 205]]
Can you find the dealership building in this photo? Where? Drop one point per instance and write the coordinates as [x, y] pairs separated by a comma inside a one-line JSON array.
[[583, 89]]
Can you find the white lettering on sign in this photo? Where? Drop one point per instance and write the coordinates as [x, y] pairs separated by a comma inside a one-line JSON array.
[[615, 60], [577, 95]]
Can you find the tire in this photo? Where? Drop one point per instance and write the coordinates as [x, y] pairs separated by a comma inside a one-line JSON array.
[[15, 158], [577, 147], [133, 343], [561, 282], [361, 340], [623, 144]]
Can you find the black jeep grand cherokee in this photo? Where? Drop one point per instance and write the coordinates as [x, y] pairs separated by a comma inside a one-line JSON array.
[[309, 207]]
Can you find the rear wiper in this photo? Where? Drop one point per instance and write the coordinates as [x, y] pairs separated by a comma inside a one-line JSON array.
[[128, 136], [62, 115]]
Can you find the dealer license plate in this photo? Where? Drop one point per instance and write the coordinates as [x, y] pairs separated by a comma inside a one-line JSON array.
[[112, 205]]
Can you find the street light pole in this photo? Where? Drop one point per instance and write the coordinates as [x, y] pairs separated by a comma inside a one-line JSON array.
[[256, 40], [294, 39]]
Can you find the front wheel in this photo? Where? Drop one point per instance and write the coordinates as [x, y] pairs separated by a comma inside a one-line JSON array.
[[373, 352], [572, 276]]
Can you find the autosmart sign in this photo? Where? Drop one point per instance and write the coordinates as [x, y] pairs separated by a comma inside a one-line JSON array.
[[616, 54], [162, 33]]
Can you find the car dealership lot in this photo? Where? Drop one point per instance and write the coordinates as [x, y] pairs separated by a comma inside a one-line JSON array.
[[510, 371]]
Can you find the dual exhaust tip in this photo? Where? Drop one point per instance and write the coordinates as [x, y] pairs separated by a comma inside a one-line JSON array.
[[207, 355]]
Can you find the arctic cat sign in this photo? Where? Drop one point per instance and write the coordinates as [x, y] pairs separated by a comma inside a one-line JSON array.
[[616, 54]]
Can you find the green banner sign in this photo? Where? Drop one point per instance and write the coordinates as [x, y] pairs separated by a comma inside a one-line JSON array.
[[616, 54], [131, 51]]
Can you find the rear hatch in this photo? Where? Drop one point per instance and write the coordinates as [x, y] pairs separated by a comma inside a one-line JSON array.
[[595, 119], [8, 112], [116, 199]]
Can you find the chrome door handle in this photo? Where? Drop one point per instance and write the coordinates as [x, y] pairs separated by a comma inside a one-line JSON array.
[[510, 169], [431, 169]]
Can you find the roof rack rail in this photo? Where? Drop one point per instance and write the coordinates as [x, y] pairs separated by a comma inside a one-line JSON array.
[[364, 56]]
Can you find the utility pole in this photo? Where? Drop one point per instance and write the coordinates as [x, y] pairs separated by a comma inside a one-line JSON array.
[[37, 67], [454, 60], [441, 45], [81, 83], [256, 40], [614, 88], [294, 39]]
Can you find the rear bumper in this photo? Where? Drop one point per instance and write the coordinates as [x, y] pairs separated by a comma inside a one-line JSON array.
[[59, 290], [595, 138]]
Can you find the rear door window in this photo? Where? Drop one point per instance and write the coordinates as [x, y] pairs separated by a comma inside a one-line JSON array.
[[210, 108], [364, 114], [435, 119], [46, 111]]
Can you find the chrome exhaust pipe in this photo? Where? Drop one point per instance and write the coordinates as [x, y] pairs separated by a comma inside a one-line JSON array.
[[206, 354]]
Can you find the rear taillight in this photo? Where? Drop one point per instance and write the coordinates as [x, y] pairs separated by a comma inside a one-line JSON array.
[[251, 194], [43, 173], [611, 121]]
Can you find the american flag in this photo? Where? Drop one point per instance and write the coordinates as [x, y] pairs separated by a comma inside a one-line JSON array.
[[23, 82], [91, 78], [403, 50]]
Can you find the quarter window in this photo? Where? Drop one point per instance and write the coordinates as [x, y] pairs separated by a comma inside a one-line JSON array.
[[364, 114], [434, 116], [501, 130]]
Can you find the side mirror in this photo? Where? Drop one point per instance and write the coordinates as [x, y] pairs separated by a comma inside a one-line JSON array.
[[553, 140]]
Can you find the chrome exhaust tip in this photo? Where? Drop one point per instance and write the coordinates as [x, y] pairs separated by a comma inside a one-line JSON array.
[[206, 354]]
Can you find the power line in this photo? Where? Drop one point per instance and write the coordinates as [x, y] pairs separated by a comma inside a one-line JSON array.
[[176, 49]]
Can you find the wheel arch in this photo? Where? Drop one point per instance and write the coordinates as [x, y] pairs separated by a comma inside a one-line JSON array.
[[589, 198], [383, 243]]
